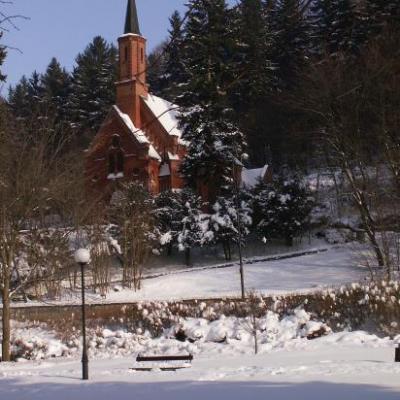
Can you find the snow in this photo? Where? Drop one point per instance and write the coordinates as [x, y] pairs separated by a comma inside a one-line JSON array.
[[166, 113], [154, 154], [326, 269], [173, 157], [348, 365], [251, 177], [139, 135]]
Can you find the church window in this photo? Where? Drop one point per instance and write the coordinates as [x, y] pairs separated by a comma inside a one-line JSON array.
[[126, 54], [142, 55], [116, 159]]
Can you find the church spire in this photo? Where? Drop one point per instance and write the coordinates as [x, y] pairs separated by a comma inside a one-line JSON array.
[[132, 21]]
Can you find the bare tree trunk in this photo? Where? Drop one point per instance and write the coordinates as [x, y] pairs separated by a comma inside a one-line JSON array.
[[6, 320]]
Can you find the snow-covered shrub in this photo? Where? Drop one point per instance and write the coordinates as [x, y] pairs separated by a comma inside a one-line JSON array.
[[283, 209], [226, 215]]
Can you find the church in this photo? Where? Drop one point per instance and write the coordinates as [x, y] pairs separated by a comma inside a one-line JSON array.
[[140, 138]]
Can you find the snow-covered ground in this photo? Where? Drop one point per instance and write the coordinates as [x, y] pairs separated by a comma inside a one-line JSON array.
[[348, 366], [333, 268]]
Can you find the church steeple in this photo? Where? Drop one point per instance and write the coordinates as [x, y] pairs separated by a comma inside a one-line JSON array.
[[132, 86], [132, 20]]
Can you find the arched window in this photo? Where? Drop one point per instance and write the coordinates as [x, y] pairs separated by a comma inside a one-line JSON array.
[[126, 54], [116, 159], [142, 55]]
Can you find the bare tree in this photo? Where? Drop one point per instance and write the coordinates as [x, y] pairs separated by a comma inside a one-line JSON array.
[[254, 309], [133, 212], [355, 106], [40, 188]]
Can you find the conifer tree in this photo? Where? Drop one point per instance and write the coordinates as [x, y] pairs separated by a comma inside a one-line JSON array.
[[227, 213], [19, 99], [3, 54], [283, 209], [55, 87], [207, 118], [93, 91], [253, 72], [291, 37], [156, 70], [174, 74]]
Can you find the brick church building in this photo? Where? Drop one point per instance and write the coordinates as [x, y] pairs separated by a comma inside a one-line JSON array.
[[140, 138]]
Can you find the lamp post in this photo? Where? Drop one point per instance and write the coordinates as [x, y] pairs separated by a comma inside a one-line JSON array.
[[82, 257]]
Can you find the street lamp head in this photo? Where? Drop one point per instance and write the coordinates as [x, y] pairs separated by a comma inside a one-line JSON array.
[[82, 256]]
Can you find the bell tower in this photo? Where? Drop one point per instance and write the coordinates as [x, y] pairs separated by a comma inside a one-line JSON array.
[[132, 67]]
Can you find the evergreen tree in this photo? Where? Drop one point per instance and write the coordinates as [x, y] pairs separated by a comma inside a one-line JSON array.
[[380, 14], [290, 46], [19, 99], [3, 54], [194, 230], [55, 87], [175, 74], [225, 218], [93, 91], [253, 72], [156, 70], [283, 209], [169, 213], [206, 121]]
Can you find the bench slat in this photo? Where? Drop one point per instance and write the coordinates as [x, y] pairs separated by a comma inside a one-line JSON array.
[[164, 358]]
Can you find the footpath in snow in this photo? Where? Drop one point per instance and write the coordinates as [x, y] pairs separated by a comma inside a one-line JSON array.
[[303, 274]]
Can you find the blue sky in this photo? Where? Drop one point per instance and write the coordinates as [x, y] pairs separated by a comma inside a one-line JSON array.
[[62, 28]]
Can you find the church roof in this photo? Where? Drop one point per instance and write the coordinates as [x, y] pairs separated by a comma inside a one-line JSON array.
[[167, 114], [132, 20]]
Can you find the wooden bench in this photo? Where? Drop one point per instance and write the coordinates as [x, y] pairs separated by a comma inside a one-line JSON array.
[[163, 359]]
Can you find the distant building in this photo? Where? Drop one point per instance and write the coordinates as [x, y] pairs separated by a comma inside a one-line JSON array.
[[139, 139]]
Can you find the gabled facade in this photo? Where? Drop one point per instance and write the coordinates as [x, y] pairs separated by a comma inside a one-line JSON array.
[[139, 139]]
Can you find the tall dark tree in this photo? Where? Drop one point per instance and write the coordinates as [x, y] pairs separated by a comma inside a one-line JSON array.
[[214, 140], [156, 70], [55, 87], [290, 41], [175, 73], [3, 55], [254, 74], [93, 90]]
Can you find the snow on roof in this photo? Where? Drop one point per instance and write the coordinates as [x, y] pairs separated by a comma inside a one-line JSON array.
[[165, 170], [139, 134], [173, 157], [153, 153], [165, 112], [251, 177]]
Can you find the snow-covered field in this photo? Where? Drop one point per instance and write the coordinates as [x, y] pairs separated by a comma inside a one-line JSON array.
[[333, 268], [348, 366]]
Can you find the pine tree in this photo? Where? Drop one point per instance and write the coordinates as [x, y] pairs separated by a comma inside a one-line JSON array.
[[169, 213], [283, 209], [93, 91], [156, 70], [19, 99], [3, 54], [380, 14], [290, 45], [55, 87], [253, 73], [194, 230], [174, 73], [224, 221], [207, 118]]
